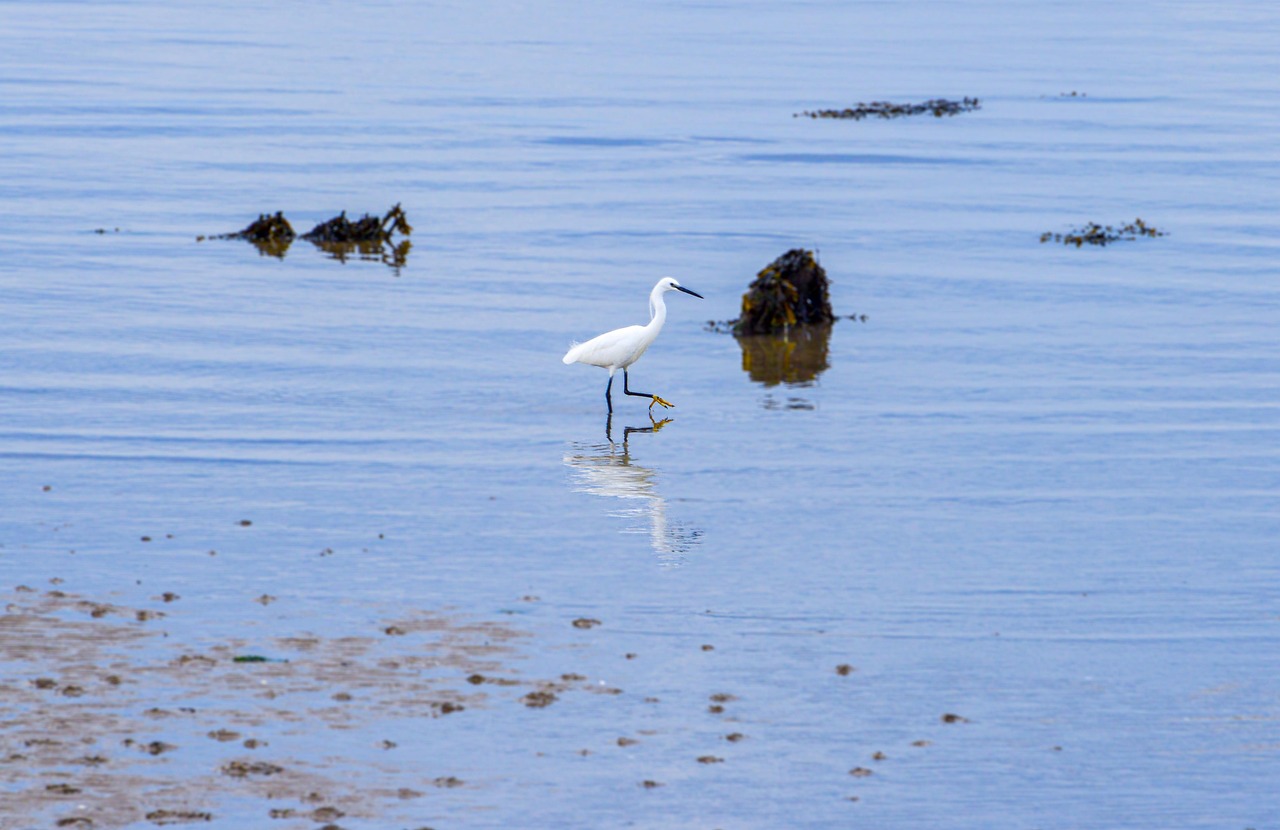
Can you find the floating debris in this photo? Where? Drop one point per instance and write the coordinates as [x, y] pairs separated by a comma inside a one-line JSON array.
[[369, 237], [1095, 234], [951, 717], [937, 107], [860, 772], [844, 669], [585, 622]]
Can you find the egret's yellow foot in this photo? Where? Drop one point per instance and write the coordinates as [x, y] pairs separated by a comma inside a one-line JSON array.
[[657, 425], [657, 400]]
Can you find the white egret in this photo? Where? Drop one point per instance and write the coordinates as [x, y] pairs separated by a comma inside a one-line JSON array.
[[619, 348]]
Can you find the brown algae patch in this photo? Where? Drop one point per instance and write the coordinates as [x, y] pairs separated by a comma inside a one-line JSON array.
[[937, 107], [163, 817], [1102, 235], [539, 699]]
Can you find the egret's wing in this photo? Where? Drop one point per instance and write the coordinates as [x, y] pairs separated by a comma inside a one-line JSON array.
[[609, 349]]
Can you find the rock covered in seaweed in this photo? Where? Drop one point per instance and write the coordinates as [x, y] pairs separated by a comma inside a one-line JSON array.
[[790, 291]]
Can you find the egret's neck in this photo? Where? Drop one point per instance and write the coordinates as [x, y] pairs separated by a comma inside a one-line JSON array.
[[657, 310]]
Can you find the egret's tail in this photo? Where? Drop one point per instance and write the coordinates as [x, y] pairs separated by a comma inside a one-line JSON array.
[[571, 356]]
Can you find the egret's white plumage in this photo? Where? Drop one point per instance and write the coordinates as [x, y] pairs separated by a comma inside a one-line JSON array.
[[619, 348]]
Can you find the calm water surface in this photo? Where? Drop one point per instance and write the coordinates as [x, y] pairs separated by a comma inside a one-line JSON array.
[[1038, 487]]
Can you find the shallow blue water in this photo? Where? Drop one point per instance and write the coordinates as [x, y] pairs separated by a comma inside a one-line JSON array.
[[1037, 487]]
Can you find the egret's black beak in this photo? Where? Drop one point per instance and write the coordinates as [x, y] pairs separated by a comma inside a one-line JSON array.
[[687, 291]]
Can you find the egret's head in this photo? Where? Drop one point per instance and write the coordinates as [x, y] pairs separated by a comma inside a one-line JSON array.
[[670, 284]]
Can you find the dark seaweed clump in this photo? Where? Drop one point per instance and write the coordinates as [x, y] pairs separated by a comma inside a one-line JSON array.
[[1095, 234], [790, 291], [272, 235], [365, 229], [937, 107], [369, 237]]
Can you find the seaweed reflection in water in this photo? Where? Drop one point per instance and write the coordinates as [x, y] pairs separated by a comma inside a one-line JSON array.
[[394, 255], [794, 358], [608, 470]]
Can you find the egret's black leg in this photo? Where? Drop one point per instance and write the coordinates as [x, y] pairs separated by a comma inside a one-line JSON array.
[[607, 399], [626, 388], [652, 398]]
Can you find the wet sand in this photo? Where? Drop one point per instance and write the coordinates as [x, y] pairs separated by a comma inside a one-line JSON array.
[[109, 721]]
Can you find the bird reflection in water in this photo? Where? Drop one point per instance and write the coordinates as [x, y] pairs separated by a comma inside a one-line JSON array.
[[795, 359], [607, 470]]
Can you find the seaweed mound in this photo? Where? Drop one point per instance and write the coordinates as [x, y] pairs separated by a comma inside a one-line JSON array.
[[937, 107], [790, 291]]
